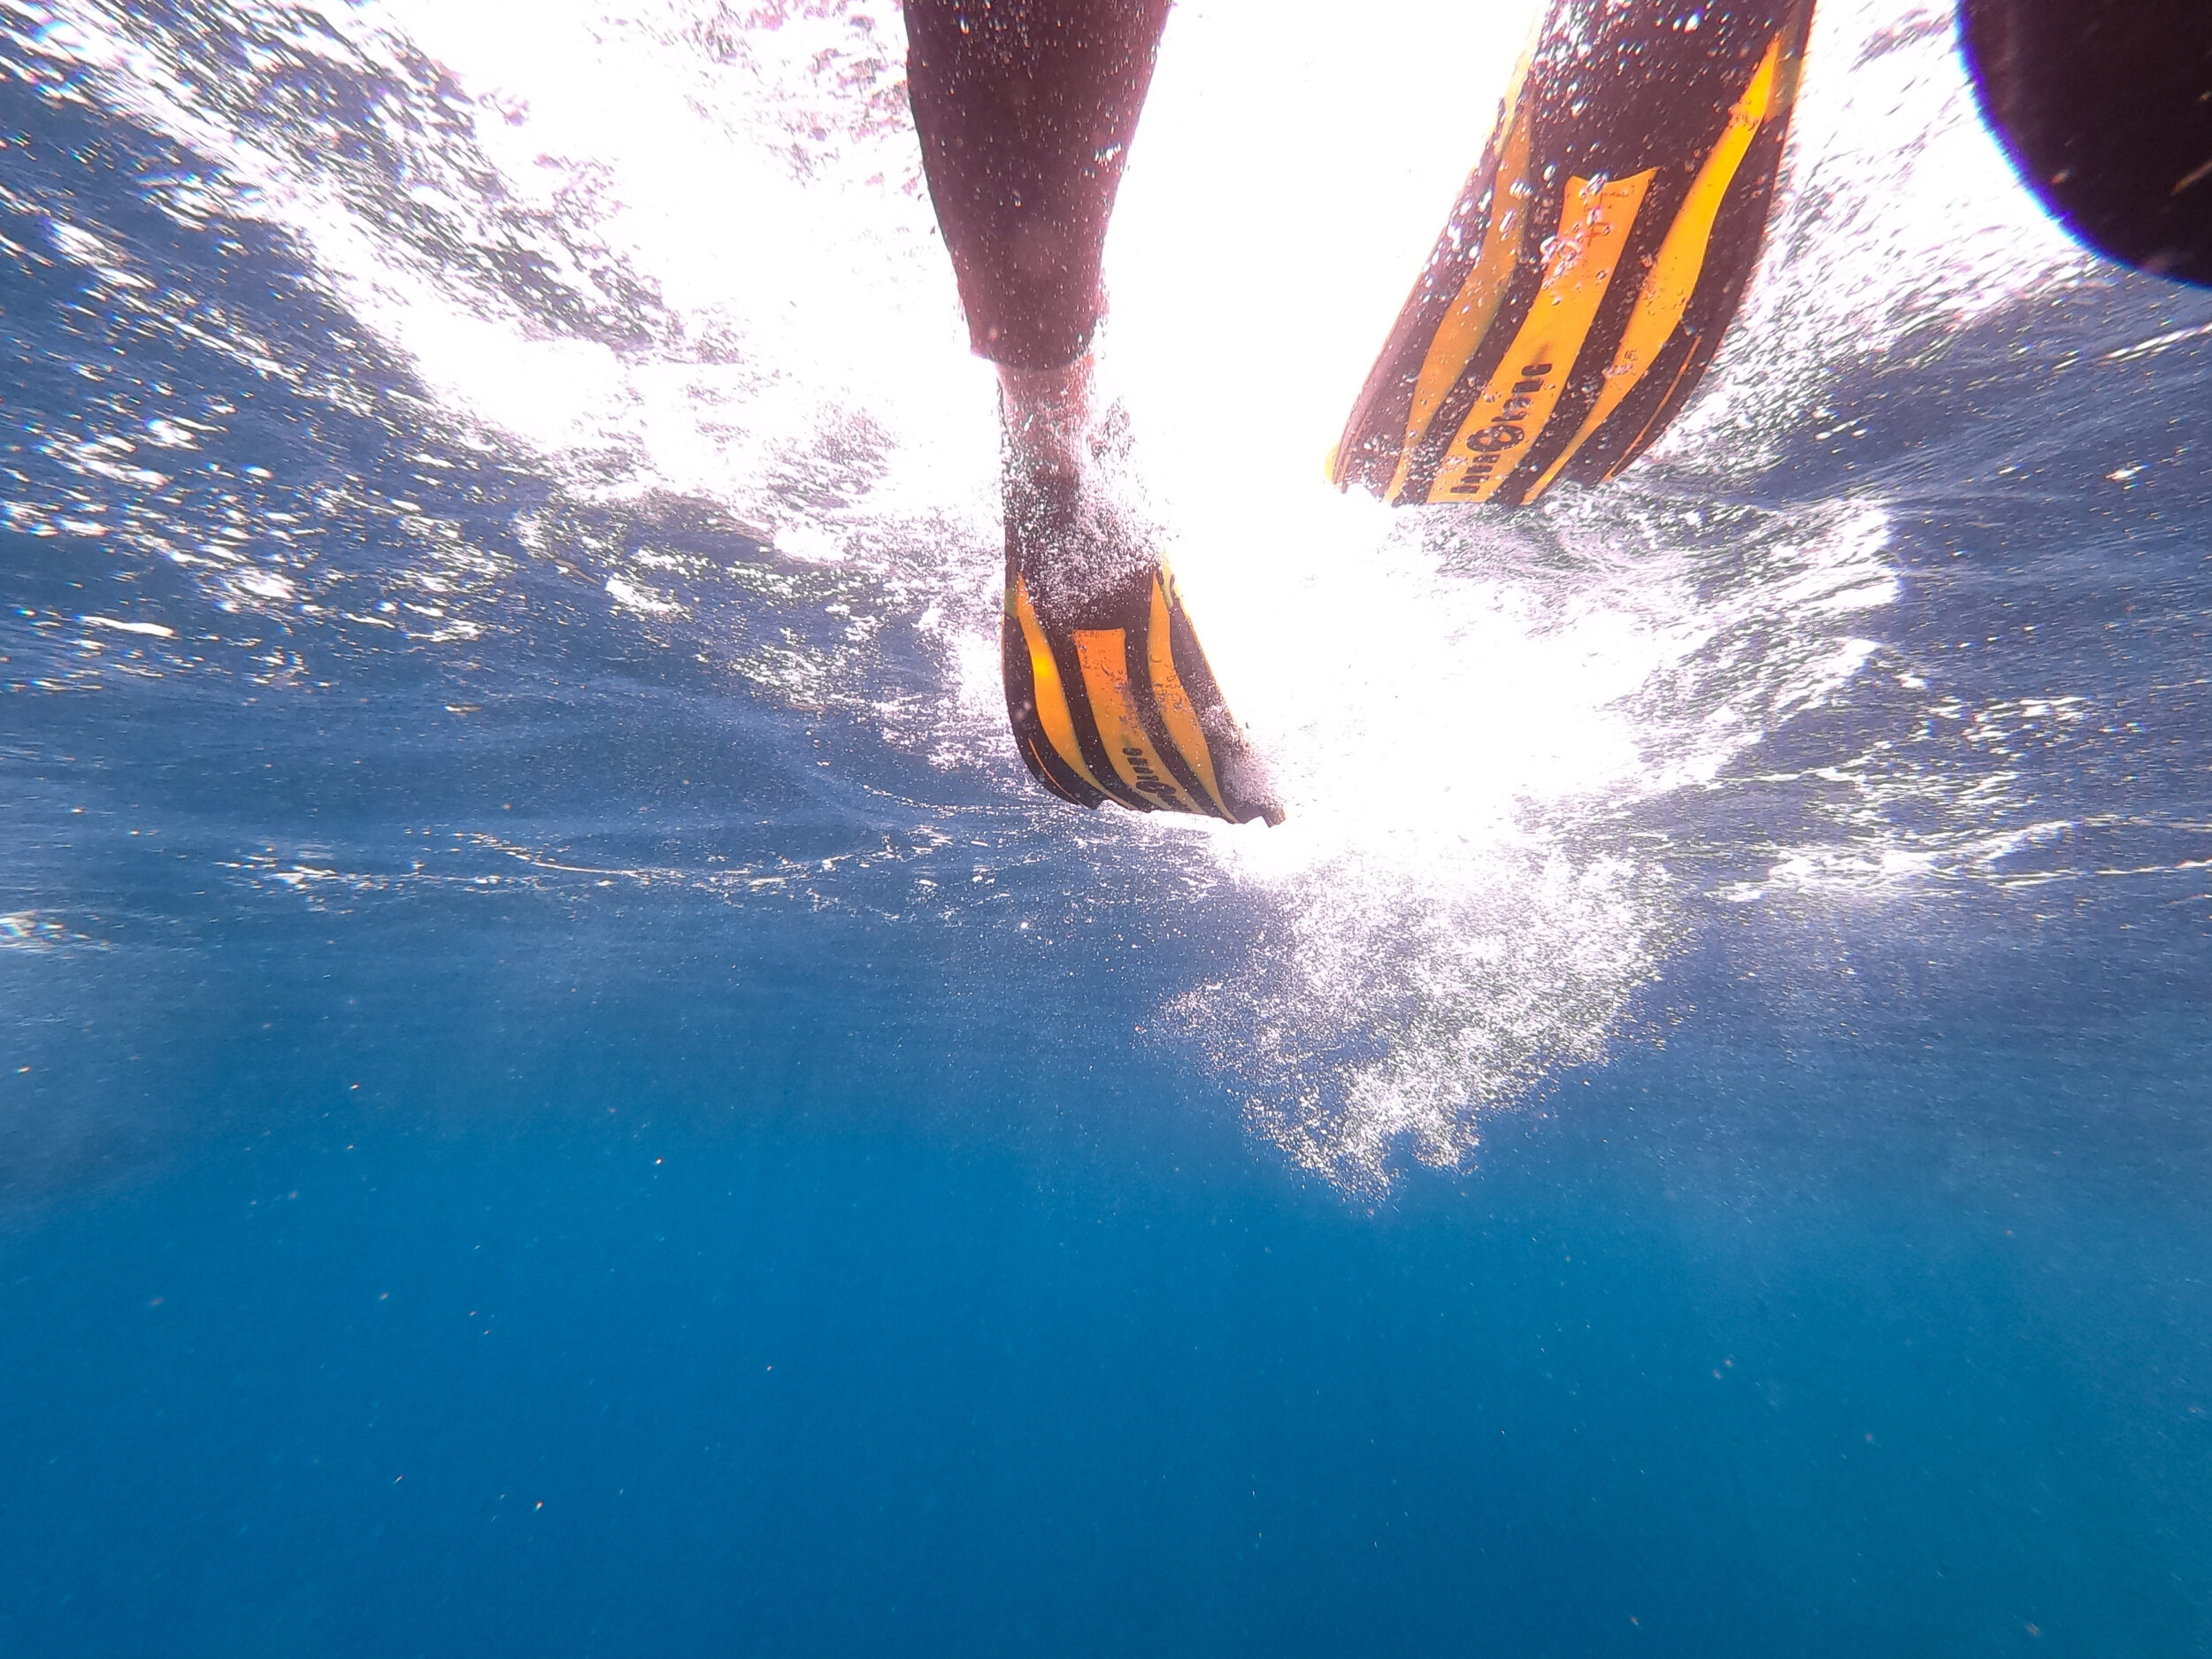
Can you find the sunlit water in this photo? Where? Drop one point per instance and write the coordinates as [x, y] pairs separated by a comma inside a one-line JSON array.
[[503, 632]]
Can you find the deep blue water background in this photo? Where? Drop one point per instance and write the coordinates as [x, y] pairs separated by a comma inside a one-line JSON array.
[[497, 1264], [1859, 1329]]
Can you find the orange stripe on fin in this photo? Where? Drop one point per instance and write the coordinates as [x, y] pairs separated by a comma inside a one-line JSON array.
[[1175, 709], [1052, 700], [1475, 306], [1105, 656], [1594, 226], [1681, 259]]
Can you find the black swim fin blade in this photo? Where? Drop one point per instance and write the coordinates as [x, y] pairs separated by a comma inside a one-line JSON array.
[[1110, 695], [1593, 261]]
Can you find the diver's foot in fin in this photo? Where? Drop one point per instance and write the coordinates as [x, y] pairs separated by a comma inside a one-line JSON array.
[[1593, 261], [1108, 689]]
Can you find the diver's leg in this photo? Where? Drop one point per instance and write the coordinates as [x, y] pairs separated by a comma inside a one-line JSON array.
[[1026, 109]]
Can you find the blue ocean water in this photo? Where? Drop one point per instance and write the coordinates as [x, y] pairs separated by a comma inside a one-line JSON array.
[[563, 1093]]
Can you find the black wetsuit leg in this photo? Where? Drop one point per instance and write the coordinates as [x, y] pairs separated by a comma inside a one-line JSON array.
[[2106, 108], [1026, 109]]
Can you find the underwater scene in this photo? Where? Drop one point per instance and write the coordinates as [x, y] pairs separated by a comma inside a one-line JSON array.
[[565, 1091]]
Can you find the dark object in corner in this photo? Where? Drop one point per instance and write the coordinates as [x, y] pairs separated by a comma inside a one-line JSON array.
[[2105, 109]]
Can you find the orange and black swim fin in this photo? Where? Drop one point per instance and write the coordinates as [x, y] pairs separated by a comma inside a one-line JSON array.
[[1110, 694], [1593, 261]]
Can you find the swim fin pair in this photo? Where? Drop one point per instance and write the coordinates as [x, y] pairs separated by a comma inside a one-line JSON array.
[[1581, 286], [1583, 280]]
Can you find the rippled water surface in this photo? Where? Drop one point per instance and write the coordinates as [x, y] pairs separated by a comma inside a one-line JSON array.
[[564, 1092]]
